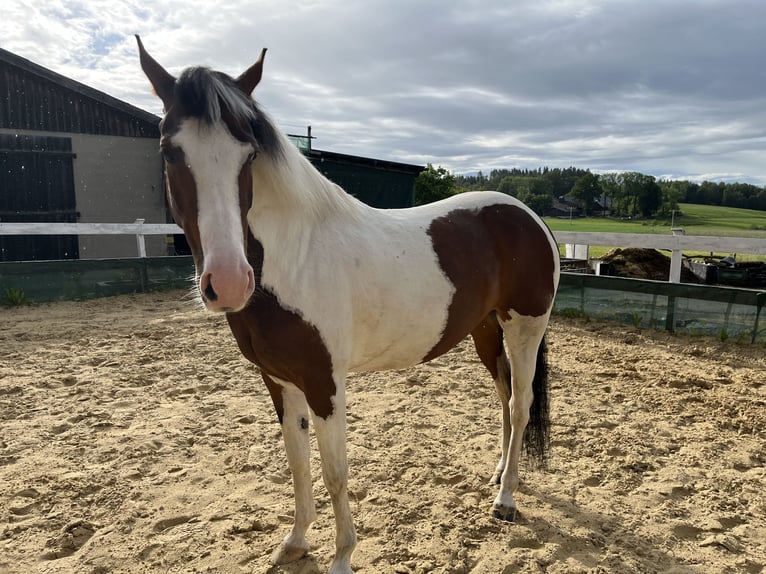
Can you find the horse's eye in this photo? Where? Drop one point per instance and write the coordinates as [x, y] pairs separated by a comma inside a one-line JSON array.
[[172, 154], [251, 156]]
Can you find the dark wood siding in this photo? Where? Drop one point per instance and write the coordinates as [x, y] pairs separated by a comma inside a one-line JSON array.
[[378, 183], [37, 185], [33, 98]]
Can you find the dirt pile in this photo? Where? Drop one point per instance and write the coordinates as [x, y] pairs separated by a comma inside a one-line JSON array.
[[641, 263]]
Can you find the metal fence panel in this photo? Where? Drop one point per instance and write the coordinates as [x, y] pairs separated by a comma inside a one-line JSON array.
[[722, 312]]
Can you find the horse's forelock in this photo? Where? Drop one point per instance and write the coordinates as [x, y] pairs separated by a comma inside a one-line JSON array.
[[205, 94]]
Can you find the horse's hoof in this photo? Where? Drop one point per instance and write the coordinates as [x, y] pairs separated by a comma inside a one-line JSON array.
[[496, 478], [505, 513], [286, 553]]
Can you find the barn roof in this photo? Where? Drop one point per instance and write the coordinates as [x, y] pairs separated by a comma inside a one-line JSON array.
[[319, 156], [40, 99]]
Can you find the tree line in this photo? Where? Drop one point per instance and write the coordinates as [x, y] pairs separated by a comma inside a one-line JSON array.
[[627, 194]]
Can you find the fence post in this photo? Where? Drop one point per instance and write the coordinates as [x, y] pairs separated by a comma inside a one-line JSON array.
[[760, 300], [670, 313], [140, 238], [675, 265]]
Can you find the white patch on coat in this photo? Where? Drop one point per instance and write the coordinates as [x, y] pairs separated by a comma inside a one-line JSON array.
[[368, 279]]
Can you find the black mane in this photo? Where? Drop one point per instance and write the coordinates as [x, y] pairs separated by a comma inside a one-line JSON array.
[[214, 96]]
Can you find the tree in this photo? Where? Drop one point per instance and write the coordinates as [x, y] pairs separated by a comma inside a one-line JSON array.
[[586, 190], [434, 184], [507, 185], [633, 194], [649, 196], [536, 193], [540, 203], [711, 193], [673, 192], [611, 184]]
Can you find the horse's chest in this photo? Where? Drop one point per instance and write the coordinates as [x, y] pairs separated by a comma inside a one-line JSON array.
[[279, 340], [379, 300]]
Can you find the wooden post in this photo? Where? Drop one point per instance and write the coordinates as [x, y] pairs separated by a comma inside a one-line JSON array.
[[675, 265], [140, 238], [676, 257]]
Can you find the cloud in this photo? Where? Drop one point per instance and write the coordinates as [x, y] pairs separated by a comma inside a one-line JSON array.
[[654, 86]]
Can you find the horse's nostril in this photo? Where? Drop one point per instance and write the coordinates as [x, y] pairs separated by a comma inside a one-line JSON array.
[[210, 293]]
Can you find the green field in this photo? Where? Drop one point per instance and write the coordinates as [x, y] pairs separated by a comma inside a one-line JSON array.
[[694, 219]]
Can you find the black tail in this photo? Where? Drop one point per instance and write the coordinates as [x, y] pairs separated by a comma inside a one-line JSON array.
[[537, 437]]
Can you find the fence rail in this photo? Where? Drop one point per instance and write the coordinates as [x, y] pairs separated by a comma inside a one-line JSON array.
[[751, 245], [676, 244], [137, 228]]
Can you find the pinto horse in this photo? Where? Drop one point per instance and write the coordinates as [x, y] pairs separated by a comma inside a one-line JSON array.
[[316, 284]]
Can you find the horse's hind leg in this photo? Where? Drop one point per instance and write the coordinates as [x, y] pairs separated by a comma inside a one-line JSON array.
[[488, 340], [523, 336], [293, 414]]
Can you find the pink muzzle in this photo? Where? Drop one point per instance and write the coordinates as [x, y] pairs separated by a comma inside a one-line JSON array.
[[226, 285]]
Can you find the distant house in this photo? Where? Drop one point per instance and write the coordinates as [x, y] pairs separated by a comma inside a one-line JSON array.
[[70, 153], [563, 207]]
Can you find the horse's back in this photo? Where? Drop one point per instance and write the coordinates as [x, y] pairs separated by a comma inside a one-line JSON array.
[[429, 275]]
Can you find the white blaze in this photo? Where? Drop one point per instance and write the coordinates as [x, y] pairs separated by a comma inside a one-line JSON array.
[[215, 158]]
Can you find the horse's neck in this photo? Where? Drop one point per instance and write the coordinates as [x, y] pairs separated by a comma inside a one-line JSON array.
[[293, 204], [289, 183]]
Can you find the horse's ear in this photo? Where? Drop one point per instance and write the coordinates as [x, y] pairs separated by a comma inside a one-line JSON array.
[[162, 82], [250, 77]]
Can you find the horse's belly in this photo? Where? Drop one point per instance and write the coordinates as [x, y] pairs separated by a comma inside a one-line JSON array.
[[401, 333], [396, 356]]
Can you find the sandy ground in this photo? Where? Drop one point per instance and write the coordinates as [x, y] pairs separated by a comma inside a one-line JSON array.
[[135, 438]]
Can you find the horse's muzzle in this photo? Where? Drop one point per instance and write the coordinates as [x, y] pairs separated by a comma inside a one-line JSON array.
[[226, 288]]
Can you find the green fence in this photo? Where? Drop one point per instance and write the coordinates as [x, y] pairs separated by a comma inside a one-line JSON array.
[[695, 309], [89, 278], [723, 312]]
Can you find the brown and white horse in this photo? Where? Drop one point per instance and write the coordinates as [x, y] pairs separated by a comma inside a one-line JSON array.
[[316, 284]]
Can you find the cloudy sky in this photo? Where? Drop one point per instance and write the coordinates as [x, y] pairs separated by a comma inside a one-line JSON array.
[[672, 88]]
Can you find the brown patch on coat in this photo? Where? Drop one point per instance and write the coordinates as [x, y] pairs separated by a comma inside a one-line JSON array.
[[488, 340], [282, 343], [275, 391], [499, 259]]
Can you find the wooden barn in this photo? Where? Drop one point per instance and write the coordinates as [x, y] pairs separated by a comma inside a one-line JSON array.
[[380, 183], [70, 153]]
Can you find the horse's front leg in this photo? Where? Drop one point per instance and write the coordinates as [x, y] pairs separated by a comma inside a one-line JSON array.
[[293, 413], [331, 438]]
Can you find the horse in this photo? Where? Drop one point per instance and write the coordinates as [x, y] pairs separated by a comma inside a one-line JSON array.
[[315, 284]]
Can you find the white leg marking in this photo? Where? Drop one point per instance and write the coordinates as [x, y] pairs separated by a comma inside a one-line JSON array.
[[523, 336], [331, 438], [502, 385], [295, 431]]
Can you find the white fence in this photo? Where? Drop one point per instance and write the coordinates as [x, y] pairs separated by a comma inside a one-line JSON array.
[[137, 228], [676, 244]]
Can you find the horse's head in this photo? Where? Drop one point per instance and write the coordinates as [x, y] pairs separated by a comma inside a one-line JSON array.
[[210, 136]]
